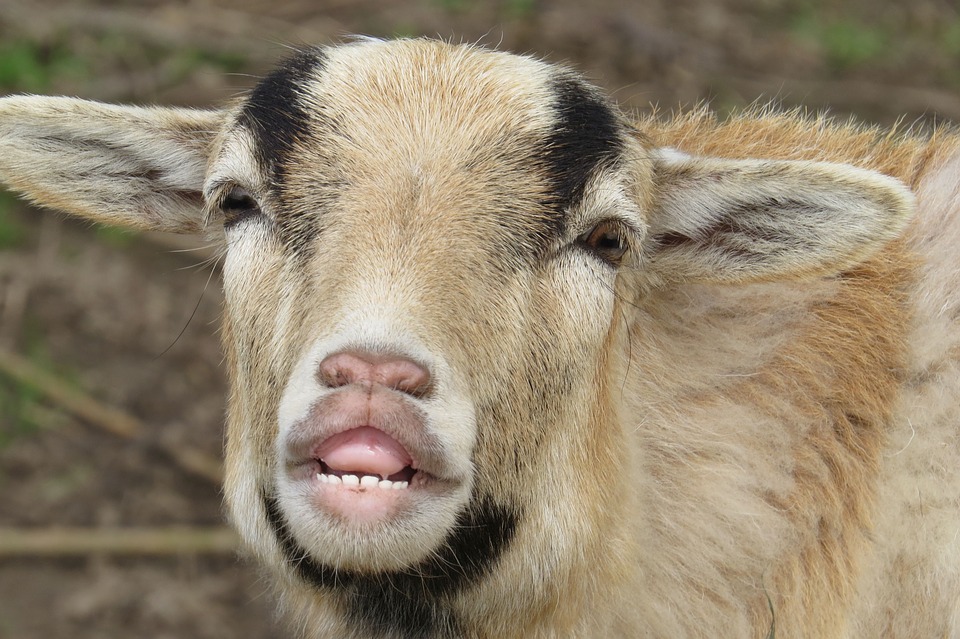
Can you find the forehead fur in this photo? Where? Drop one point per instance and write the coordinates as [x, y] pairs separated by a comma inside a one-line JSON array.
[[396, 119]]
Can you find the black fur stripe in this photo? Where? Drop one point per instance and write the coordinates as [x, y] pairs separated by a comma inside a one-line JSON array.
[[281, 124], [585, 138], [275, 114], [414, 602]]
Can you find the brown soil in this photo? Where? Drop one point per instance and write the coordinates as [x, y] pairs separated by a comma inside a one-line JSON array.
[[133, 323]]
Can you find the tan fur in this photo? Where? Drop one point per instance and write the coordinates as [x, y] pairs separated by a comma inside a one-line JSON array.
[[832, 362], [750, 423]]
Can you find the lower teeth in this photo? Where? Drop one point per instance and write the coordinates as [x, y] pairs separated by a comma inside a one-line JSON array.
[[367, 481]]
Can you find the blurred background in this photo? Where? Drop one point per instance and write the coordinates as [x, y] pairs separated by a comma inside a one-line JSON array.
[[111, 384]]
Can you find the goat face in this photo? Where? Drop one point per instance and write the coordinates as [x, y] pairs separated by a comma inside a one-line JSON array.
[[421, 281]]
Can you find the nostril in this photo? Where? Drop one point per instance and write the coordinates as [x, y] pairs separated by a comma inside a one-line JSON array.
[[403, 375], [341, 369], [398, 373]]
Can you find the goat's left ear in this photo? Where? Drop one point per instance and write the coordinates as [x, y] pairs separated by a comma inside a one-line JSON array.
[[128, 166], [717, 220]]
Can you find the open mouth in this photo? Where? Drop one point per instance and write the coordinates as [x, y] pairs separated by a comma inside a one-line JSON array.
[[363, 475], [367, 458], [363, 458], [364, 478]]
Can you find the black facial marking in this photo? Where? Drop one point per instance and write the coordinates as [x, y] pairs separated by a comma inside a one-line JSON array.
[[585, 139], [413, 602], [283, 123], [275, 115]]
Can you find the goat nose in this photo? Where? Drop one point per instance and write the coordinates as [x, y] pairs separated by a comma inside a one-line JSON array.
[[352, 367]]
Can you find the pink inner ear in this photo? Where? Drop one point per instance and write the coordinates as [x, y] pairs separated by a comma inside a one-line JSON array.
[[364, 451]]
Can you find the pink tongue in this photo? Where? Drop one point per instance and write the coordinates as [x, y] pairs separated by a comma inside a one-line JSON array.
[[364, 450]]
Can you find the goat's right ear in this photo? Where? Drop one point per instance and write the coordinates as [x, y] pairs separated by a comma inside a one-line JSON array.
[[127, 166]]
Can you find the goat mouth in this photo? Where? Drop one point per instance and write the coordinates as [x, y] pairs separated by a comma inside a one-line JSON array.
[[362, 475], [365, 457]]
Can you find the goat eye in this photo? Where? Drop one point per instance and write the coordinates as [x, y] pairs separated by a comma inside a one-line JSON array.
[[237, 205], [606, 241]]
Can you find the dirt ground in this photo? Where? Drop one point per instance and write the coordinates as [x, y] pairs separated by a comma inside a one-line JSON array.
[[130, 320]]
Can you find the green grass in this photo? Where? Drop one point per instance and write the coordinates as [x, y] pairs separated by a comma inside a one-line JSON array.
[[506, 9], [848, 45], [33, 67], [860, 39], [950, 38], [23, 411], [17, 401], [64, 62], [520, 8], [183, 63], [845, 43], [452, 5], [12, 231], [115, 236]]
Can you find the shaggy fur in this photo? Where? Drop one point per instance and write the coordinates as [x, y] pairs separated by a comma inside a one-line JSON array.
[[688, 377]]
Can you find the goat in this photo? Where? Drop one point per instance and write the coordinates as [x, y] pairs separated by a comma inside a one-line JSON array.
[[505, 363]]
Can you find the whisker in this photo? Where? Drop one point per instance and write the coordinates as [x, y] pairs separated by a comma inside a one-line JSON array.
[[192, 314]]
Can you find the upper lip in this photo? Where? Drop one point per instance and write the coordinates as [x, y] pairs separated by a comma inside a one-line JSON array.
[[354, 406]]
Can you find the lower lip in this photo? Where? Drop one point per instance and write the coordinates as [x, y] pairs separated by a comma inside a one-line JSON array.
[[359, 504]]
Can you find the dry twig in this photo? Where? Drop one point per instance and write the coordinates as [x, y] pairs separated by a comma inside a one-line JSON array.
[[73, 542], [104, 417]]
